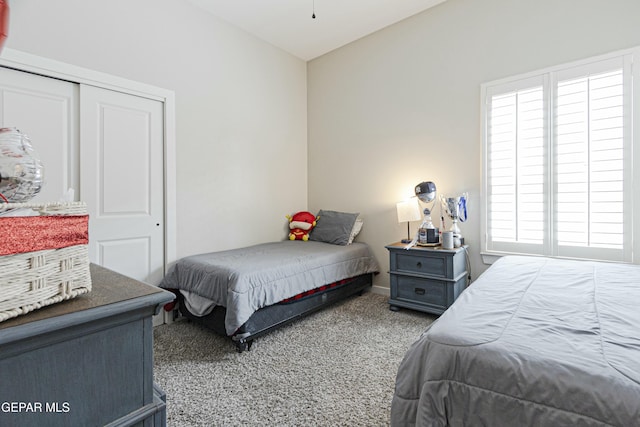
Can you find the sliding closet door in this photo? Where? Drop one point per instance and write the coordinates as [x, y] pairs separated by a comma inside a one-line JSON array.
[[45, 109], [121, 172], [108, 146]]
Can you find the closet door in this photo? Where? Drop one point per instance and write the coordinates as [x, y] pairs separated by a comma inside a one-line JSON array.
[[45, 109], [121, 172]]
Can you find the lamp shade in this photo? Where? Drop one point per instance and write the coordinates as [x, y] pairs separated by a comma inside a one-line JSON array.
[[408, 210]]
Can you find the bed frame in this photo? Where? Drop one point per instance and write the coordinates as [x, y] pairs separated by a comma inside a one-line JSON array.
[[269, 318]]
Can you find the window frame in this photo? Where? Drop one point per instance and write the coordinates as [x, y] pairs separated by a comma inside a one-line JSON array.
[[548, 77]]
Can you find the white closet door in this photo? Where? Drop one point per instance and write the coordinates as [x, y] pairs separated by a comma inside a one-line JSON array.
[[121, 172], [45, 109]]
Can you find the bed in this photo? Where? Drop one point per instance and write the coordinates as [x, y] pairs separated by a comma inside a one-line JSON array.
[[244, 293], [534, 341]]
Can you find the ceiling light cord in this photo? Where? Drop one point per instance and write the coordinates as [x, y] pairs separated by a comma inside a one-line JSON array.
[[313, 15]]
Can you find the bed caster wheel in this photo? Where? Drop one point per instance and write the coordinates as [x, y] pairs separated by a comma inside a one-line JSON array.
[[243, 346], [394, 308]]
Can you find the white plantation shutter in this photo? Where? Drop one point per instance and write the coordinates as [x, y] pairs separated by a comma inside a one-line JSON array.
[[516, 167], [557, 162], [590, 159]]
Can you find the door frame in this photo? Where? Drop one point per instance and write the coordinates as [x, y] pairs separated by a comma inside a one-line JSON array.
[[27, 62]]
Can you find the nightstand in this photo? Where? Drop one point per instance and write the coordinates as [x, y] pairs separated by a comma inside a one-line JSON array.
[[427, 279]]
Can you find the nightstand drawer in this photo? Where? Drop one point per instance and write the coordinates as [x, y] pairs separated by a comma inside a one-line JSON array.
[[427, 279], [412, 262], [418, 290]]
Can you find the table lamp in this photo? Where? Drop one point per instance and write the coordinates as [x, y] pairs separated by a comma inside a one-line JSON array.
[[408, 211]]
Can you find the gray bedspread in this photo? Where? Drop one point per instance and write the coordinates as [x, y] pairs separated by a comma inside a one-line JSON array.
[[533, 342], [247, 279]]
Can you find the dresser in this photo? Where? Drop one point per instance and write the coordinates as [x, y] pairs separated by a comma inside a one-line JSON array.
[[427, 279], [84, 362]]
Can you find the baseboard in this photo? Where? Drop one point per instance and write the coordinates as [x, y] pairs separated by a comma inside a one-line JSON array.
[[380, 290]]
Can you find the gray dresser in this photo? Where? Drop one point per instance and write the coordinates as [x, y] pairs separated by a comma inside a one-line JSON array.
[[86, 361], [427, 279]]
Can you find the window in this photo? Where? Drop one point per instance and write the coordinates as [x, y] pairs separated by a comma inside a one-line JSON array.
[[557, 161]]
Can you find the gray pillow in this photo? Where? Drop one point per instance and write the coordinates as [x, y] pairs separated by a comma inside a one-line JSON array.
[[333, 227]]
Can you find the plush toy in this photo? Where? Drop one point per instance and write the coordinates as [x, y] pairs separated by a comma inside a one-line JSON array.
[[301, 224]]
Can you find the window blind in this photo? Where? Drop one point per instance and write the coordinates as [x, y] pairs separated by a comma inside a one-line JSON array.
[[589, 161], [516, 173], [557, 160]]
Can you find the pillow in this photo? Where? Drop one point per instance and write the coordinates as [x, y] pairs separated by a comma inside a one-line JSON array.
[[333, 227], [357, 226]]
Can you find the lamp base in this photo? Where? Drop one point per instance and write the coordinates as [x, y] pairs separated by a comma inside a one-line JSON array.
[[405, 241]]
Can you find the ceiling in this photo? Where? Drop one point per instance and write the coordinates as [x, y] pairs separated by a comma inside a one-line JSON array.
[[288, 24]]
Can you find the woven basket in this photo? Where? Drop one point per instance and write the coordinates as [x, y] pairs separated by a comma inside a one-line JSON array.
[[32, 280]]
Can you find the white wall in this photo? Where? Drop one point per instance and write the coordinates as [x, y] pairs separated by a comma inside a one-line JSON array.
[[388, 111], [403, 105], [240, 106]]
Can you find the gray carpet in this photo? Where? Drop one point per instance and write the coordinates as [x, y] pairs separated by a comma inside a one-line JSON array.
[[334, 368]]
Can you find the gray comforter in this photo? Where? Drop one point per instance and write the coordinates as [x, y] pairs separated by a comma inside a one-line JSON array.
[[247, 279], [533, 342]]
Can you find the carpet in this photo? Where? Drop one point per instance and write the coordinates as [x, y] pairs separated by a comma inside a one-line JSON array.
[[336, 367]]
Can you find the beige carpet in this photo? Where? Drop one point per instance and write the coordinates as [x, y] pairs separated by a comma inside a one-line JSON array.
[[334, 368]]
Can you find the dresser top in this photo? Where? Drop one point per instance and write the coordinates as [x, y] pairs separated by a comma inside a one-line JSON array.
[[107, 288]]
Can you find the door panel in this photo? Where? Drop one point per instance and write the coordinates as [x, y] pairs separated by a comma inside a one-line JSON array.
[[125, 253], [126, 151], [45, 109], [122, 181]]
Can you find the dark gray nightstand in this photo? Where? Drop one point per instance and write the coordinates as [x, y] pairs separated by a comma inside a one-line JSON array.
[[427, 279]]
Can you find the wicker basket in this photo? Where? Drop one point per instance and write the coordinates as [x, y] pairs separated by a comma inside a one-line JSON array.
[[35, 279]]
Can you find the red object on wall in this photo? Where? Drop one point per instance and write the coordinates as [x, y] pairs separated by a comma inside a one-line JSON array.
[[4, 22]]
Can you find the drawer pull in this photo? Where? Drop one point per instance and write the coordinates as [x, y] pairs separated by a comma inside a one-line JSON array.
[[419, 291], [419, 265]]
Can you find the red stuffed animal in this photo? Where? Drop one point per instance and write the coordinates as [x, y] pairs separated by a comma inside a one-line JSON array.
[[301, 224]]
